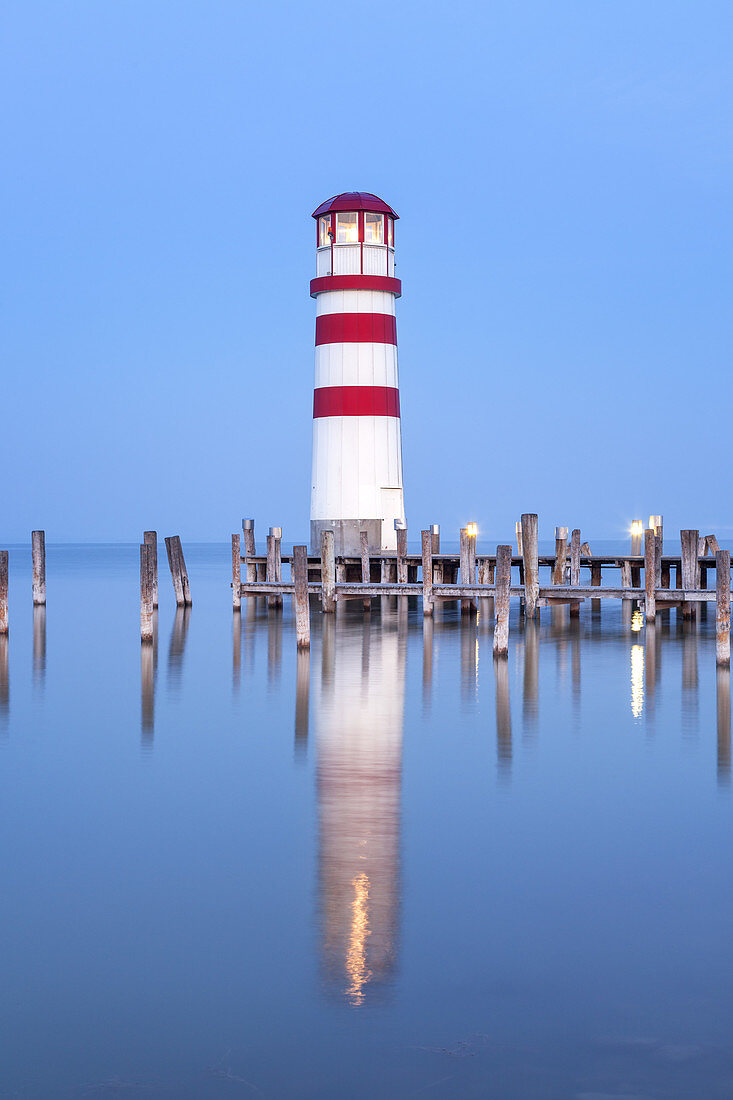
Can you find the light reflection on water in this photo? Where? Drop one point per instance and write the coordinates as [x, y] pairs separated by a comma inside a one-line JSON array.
[[413, 867]]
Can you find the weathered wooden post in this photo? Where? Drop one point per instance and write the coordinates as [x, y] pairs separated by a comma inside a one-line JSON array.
[[274, 563], [365, 565], [3, 591], [184, 572], [401, 552], [146, 592], [437, 565], [722, 608], [637, 530], [518, 532], [561, 552], [151, 539], [467, 605], [501, 600], [171, 546], [38, 542], [328, 572], [688, 545], [236, 573], [575, 570], [302, 610], [250, 549], [657, 525], [427, 573], [626, 574], [531, 564], [650, 576]]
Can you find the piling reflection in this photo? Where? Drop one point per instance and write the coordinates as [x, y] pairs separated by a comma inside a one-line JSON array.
[[503, 716], [650, 668], [177, 646], [469, 657], [722, 685], [4, 683], [428, 634], [274, 645], [302, 700], [359, 715], [39, 646], [635, 621], [530, 687], [236, 649], [147, 680], [690, 678]]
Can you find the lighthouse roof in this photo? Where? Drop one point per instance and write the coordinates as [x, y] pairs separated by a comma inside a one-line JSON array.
[[355, 200]]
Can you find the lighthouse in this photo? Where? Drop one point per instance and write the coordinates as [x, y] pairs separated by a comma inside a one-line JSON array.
[[356, 482]]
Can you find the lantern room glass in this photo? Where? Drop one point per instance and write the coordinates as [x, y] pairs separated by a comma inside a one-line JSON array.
[[347, 228], [374, 229], [324, 224], [390, 232]]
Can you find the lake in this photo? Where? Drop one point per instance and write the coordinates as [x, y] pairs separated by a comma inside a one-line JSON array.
[[389, 867]]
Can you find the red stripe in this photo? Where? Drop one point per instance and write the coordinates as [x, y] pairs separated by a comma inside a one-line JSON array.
[[356, 282], [356, 328], [356, 401]]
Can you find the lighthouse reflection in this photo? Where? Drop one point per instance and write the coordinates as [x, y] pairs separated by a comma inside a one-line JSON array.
[[358, 717]]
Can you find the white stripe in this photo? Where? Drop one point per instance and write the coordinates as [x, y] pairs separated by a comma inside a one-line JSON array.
[[356, 365], [355, 301]]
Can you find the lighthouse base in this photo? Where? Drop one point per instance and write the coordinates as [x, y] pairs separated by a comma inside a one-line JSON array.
[[347, 535]]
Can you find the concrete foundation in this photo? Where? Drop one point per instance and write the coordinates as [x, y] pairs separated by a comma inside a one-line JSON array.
[[346, 535]]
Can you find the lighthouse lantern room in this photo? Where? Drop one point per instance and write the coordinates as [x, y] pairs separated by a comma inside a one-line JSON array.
[[356, 481]]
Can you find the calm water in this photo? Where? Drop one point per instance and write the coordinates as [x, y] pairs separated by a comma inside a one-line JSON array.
[[386, 869]]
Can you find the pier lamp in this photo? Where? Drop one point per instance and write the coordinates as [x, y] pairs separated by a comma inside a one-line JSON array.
[[637, 530], [472, 530], [400, 525]]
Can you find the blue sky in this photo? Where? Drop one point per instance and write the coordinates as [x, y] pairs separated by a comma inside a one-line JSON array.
[[563, 174]]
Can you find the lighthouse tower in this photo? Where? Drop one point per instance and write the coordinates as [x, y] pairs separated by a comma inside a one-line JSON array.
[[356, 482]]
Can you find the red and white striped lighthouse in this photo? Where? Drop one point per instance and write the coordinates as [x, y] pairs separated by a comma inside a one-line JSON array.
[[356, 482]]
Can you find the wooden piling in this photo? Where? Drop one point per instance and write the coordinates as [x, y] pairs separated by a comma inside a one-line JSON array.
[[501, 600], [151, 539], [531, 566], [328, 572], [561, 553], [595, 574], [236, 573], [518, 533], [650, 576], [575, 570], [688, 545], [467, 605], [271, 574], [38, 543], [437, 565], [401, 552], [427, 573], [184, 572], [722, 608], [626, 574], [657, 525], [3, 591], [171, 546], [365, 565], [250, 548], [302, 610], [146, 592]]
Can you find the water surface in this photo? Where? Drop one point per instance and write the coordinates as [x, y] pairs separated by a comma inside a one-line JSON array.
[[389, 867]]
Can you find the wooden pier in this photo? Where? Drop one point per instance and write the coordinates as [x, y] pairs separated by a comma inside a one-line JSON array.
[[469, 576]]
